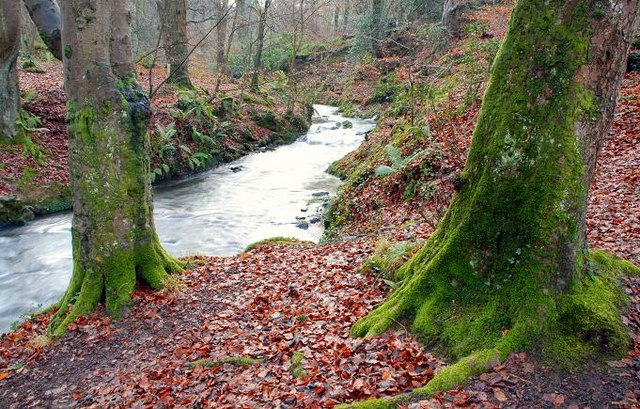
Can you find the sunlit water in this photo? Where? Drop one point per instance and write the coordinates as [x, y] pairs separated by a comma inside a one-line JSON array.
[[215, 213]]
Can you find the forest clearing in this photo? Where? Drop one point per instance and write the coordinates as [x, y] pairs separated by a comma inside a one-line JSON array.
[[481, 249]]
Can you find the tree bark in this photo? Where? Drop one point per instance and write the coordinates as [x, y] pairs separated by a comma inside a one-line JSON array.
[[377, 27], [9, 46], [451, 14], [345, 16], [174, 16], [242, 21], [46, 16], [221, 39], [244, 34], [257, 61], [506, 268], [115, 244]]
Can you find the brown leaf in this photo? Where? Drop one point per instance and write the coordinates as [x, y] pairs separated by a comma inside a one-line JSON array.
[[499, 395]]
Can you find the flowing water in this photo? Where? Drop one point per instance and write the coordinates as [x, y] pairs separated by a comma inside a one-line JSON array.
[[218, 212]]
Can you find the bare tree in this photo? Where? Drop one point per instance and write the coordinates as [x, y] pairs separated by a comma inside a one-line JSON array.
[[451, 13], [257, 61], [220, 9]]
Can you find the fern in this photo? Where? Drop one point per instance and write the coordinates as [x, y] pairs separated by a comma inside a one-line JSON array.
[[384, 171], [397, 161]]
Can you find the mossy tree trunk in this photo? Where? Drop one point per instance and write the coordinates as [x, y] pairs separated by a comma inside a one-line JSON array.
[[115, 244], [10, 17], [176, 44], [507, 266], [46, 16]]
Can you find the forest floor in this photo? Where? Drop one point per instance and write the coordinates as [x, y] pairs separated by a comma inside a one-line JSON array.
[[269, 327]]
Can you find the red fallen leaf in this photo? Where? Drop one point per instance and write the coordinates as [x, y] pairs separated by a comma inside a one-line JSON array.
[[3, 375], [319, 389]]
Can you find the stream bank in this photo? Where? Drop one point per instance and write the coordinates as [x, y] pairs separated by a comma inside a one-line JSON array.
[[190, 132]]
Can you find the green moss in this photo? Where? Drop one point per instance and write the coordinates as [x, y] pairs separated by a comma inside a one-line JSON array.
[[297, 362], [268, 120], [274, 240], [232, 360], [456, 374], [384, 403], [347, 109], [68, 52], [388, 257], [589, 315]]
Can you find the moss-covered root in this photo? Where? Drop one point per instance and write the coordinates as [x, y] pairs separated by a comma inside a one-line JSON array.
[[458, 373], [112, 281], [382, 403], [379, 320], [447, 379], [577, 325]]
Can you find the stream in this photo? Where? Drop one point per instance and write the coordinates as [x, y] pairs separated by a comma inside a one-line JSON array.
[[218, 212]]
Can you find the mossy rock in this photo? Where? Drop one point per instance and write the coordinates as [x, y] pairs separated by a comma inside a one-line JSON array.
[[14, 212], [268, 120]]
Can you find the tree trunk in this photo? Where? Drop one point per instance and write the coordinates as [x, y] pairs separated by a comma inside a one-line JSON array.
[[345, 16], [174, 16], [451, 14], [507, 267], [377, 27], [221, 38], [244, 34], [46, 16], [296, 43], [257, 61], [242, 21], [115, 244], [9, 47]]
